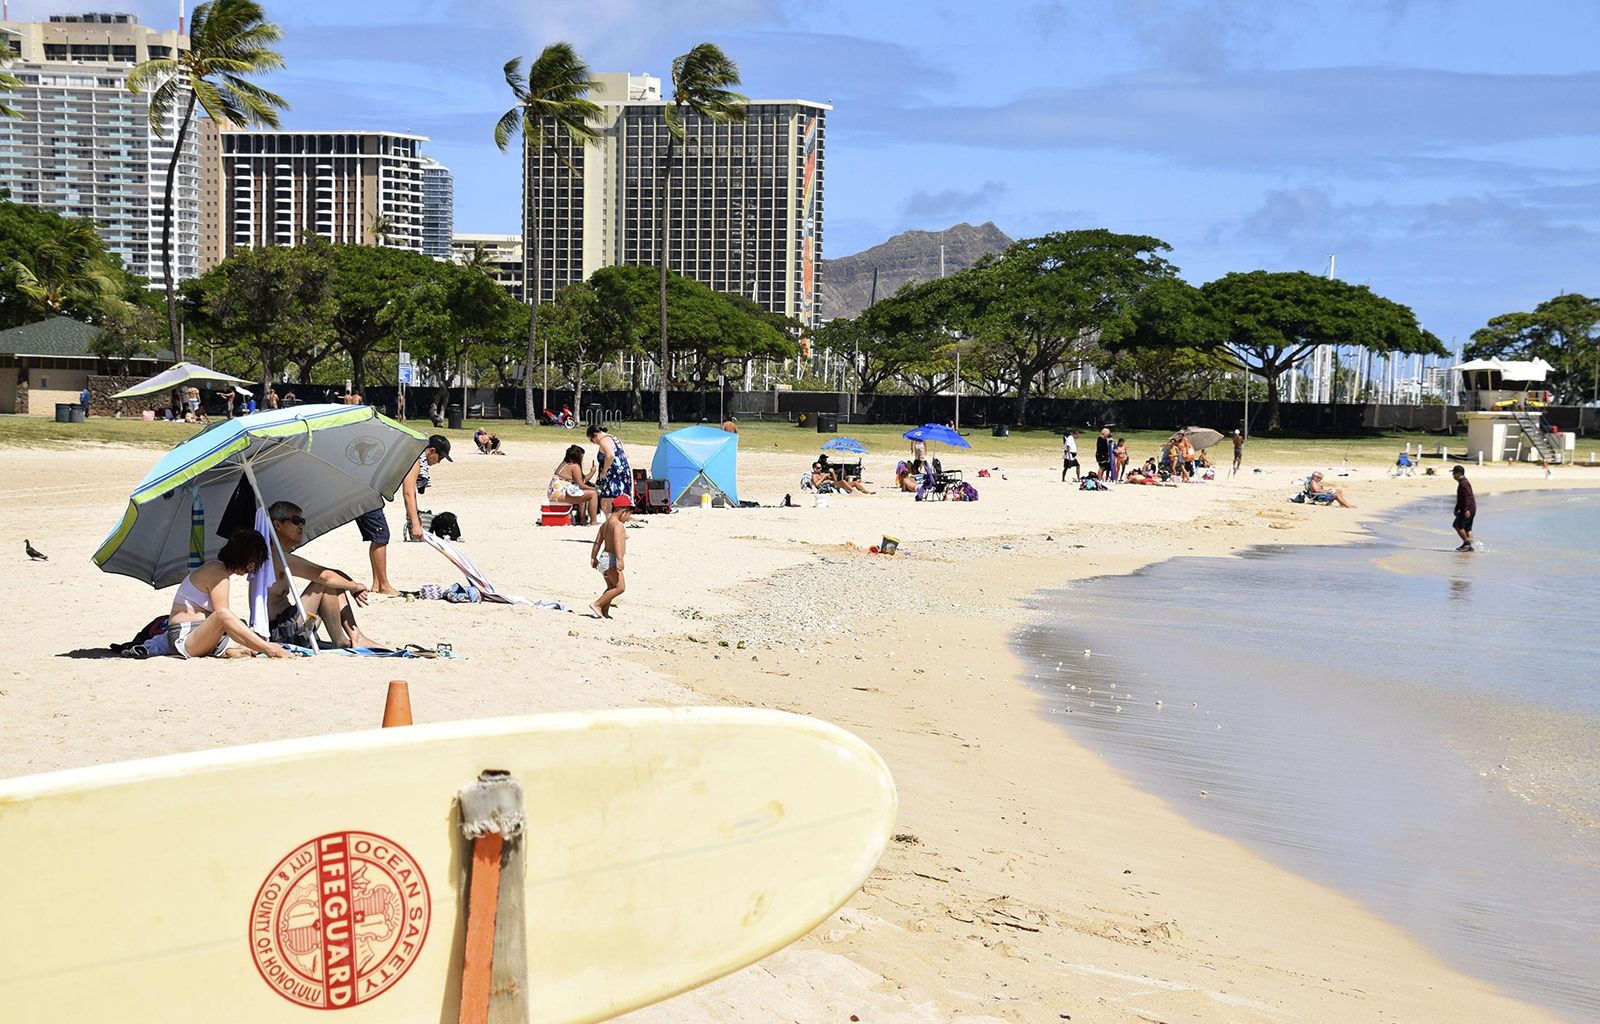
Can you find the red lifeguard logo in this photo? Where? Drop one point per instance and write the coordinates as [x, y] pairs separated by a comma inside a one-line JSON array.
[[339, 920]]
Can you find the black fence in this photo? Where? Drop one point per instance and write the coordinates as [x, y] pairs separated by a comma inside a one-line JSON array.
[[976, 410]]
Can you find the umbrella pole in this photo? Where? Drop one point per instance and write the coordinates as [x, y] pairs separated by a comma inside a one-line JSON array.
[[277, 545]]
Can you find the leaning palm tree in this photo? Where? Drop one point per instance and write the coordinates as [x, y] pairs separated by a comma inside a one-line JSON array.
[[552, 103], [700, 80], [69, 273], [228, 40]]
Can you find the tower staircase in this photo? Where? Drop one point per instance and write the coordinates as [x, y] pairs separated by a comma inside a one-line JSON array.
[[1532, 426]]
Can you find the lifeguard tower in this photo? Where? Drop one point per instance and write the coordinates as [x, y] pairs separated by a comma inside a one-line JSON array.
[[1503, 410]]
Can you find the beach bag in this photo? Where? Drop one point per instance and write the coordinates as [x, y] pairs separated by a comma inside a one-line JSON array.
[[966, 492], [445, 525], [430, 592], [152, 629], [460, 593], [1298, 497]]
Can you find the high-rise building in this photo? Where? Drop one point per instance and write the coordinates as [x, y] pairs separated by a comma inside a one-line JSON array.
[[85, 148], [504, 256], [747, 197], [211, 192], [362, 188], [438, 208]]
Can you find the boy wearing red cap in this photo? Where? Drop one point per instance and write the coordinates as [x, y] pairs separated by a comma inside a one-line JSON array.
[[613, 538]]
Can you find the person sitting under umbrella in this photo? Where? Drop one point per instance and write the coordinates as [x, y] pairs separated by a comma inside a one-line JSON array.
[[200, 624], [822, 472], [328, 596]]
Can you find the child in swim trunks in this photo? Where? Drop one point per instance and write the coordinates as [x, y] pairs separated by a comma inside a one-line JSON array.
[[606, 556]]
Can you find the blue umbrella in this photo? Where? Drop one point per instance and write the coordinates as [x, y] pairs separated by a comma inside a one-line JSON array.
[[845, 444], [937, 432]]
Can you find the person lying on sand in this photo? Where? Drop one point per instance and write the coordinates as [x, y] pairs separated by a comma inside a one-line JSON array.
[[200, 624], [909, 477], [328, 597], [1322, 493]]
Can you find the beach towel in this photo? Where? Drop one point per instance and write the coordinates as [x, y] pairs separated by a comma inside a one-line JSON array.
[[475, 576], [261, 581], [408, 651]]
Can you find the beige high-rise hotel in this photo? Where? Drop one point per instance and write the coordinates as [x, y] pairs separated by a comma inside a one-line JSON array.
[[747, 216]]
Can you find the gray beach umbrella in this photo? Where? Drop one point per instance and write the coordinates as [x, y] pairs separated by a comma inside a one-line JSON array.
[[334, 461]]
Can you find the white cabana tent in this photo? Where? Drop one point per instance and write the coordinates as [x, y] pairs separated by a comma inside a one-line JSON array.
[[179, 375]]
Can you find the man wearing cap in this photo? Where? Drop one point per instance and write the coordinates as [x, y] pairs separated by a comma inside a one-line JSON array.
[[1466, 509], [374, 526]]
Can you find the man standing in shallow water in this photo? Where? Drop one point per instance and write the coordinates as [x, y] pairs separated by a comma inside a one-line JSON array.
[[1466, 509]]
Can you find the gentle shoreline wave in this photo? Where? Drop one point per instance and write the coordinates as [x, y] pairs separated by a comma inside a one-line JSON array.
[[1375, 717]]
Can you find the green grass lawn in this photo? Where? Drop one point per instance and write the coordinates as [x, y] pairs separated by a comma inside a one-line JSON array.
[[881, 440]]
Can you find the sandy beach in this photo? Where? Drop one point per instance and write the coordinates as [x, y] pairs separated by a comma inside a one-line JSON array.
[[1029, 881]]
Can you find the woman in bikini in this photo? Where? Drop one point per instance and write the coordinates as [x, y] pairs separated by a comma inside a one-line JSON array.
[[200, 624], [569, 486]]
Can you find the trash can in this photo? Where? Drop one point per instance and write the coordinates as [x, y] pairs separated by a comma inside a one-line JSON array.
[[827, 423], [453, 417], [63, 412], [78, 414], [1000, 430]]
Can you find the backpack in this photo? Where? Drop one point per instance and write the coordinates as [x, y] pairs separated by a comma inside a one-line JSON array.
[[445, 525]]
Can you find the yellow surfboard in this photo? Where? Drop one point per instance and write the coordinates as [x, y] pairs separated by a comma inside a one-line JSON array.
[[665, 848]]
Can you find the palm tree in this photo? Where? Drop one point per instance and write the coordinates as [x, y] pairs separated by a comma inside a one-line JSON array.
[[552, 102], [228, 40], [69, 272], [481, 260], [381, 226], [10, 83], [700, 80]]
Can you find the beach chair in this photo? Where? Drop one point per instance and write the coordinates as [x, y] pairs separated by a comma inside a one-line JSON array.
[[942, 478], [1403, 466]]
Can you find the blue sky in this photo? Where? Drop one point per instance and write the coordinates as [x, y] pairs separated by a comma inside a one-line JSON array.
[[1447, 150]]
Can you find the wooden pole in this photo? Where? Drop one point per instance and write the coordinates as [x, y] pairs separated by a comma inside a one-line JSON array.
[[481, 902]]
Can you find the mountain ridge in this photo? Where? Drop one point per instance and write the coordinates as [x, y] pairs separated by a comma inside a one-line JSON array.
[[910, 256]]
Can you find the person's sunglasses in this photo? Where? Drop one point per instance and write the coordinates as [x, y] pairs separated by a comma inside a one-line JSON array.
[[296, 520]]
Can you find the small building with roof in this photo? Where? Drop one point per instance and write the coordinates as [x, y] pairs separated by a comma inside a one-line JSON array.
[[48, 362]]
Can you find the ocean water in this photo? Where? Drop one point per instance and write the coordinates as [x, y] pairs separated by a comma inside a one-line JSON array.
[[1416, 727]]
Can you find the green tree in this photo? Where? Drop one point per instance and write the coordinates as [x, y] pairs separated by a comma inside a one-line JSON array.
[[708, 328], [10, 83], [1166, 352], [1267, 323], [128, 332], [898, 333], [552, 108], [1044, 297], [276, 299], [67, 273], [229, 40], [701, 81], [1561, 331], [365, 280]]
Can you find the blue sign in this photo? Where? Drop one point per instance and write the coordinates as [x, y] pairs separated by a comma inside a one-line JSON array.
[[405, 374]]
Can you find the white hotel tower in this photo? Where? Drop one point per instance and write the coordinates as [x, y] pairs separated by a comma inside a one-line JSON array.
[[84, 147]]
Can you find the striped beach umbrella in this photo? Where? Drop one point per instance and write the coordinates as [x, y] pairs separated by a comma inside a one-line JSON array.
[[334, 461]]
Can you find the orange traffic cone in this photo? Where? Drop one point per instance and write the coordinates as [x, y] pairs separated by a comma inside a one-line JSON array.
[[397, 708]]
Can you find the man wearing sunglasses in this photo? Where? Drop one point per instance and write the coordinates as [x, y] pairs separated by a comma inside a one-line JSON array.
[[330, 596]]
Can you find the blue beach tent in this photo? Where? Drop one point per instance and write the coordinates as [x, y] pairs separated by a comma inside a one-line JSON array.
[[696, 461]]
